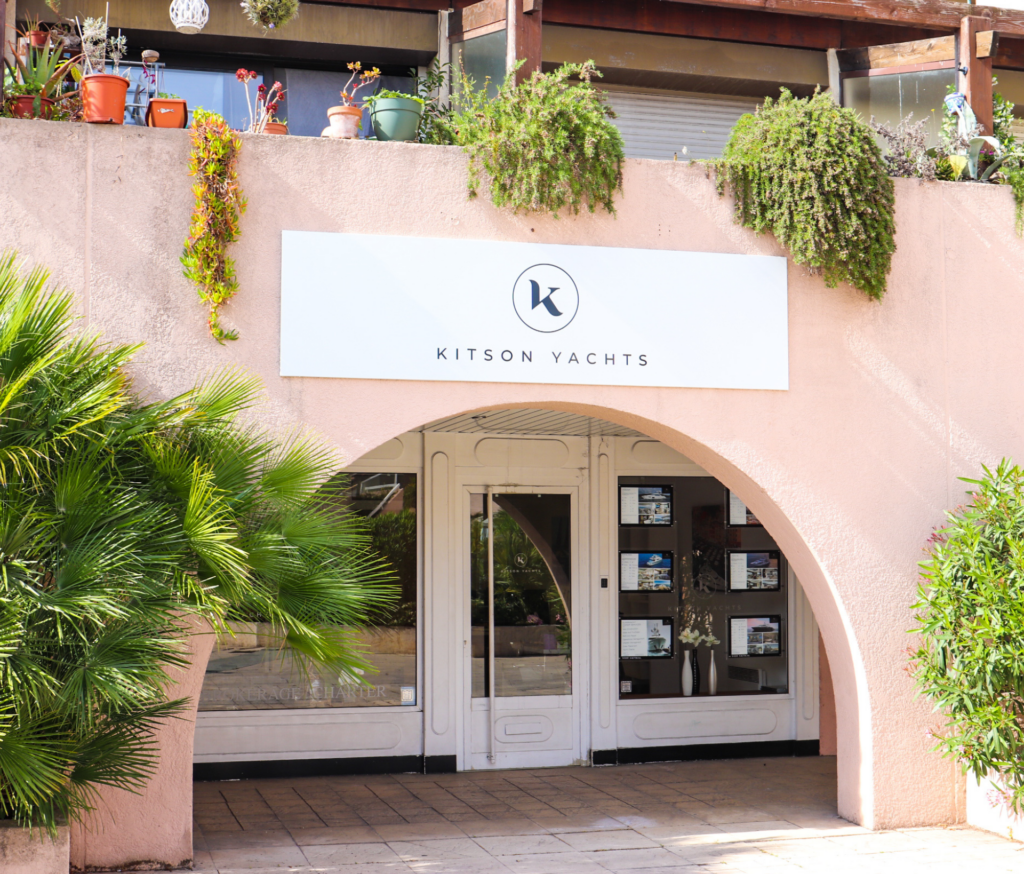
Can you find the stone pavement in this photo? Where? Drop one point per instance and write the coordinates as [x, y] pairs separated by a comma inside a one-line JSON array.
[[750, 815]]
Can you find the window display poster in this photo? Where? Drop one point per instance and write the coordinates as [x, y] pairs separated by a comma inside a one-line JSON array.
[[645, 638], [755, 636], [645, 505], [753, 571], [739, 513], [645, 571]]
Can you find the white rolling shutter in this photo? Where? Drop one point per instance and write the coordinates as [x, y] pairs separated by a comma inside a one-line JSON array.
[[658, 124]]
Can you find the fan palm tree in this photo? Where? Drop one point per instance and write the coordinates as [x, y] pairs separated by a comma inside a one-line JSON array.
[[116, 517]]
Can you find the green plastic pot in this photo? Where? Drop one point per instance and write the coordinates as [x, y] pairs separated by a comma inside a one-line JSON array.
[[396, 118]]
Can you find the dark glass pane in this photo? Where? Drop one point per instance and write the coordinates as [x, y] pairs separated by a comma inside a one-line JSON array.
[[532, 595]]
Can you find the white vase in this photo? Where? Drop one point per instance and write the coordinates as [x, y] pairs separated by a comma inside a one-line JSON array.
[[712, 674], [687, 674]]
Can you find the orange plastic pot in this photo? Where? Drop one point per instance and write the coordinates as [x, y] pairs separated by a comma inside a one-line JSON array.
[[167, 112], [37, 38], [103, 98], [276, 127], [25, 107]]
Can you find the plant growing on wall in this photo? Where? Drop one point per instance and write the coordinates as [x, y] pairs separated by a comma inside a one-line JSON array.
[[214, 225], [546, 145], [971, 624], [810, 172], [270, 14], [116, 516]]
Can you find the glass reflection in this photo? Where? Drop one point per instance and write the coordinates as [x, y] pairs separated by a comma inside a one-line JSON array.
[[250, 670], [532, 595]]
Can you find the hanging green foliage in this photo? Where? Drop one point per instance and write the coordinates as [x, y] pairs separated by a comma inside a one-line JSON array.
[[547, 144], [811, 173], [970, 662], [219, 204], [270, 14]]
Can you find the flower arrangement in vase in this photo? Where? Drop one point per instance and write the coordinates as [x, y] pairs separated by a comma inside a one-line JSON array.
[[262, 118], [697, 632], [346, 119]]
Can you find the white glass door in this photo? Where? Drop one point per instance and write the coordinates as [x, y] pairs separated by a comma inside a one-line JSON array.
[[522, 700]]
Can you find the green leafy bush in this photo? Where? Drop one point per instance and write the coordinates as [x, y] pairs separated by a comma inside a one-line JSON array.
[[546, 145], [219, 205], [811, 173], [970, 662]]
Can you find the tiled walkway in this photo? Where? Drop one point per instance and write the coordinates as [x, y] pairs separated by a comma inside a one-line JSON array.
[[753, 815]]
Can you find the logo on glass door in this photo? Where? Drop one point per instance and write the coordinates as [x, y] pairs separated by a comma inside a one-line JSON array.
[[545, 298]]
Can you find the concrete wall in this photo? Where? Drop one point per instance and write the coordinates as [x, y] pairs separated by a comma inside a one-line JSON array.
[[850, 469]]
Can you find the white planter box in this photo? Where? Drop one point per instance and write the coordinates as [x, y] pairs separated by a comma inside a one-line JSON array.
[[29, 851], [986, 810]]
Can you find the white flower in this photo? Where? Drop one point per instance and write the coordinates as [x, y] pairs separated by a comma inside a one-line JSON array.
[[711, 640], [690, 635]]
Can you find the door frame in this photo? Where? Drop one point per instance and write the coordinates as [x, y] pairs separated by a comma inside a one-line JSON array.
[[541, 481]]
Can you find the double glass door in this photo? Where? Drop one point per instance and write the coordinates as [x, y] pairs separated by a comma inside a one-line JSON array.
[[522, 707]]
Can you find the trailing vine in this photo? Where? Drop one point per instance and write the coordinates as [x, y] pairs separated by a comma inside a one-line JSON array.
[[811, 173], [971, 623], [547, 144], [214, 224]]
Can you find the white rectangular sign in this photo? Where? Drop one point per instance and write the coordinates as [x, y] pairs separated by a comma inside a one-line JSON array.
[[376, 307]]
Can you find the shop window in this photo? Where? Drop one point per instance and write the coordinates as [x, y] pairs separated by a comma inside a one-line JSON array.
[[692, 557], [251, 671]]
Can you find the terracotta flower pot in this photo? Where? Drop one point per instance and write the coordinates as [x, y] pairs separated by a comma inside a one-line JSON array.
[[276, 127], [25, 107], [37, 38], [344, 122], [103, 98], [166, 112]]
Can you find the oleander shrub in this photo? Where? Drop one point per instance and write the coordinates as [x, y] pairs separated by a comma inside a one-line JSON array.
[[810, 172], [970, 620]]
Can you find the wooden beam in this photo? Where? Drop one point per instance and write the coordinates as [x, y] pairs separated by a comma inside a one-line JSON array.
[[974, 74], [529, 44], [3, 46], [482, 14], [904, 54], [734, 25], [938, 14]]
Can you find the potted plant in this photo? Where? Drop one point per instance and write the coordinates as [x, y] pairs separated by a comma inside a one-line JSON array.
[[167, 110], [34, 32], [262, 118], [347, 118], [101, 561], [103, 94], [395, 116], [34, 83], [270, 14]]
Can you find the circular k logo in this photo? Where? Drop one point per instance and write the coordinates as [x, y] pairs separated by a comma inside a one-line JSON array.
[[546, 298], [520, 560]]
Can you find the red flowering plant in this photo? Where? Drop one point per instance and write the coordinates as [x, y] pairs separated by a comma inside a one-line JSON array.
[[365, 77], [267, 101]]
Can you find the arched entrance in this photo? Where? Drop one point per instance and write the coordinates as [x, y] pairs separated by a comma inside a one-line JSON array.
[[561, 555]]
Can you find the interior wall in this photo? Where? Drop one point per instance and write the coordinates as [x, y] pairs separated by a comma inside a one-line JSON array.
[[684, 64]]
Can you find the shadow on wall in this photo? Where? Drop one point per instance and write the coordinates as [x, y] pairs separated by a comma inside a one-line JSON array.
[[312, 92], [827, 704]]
